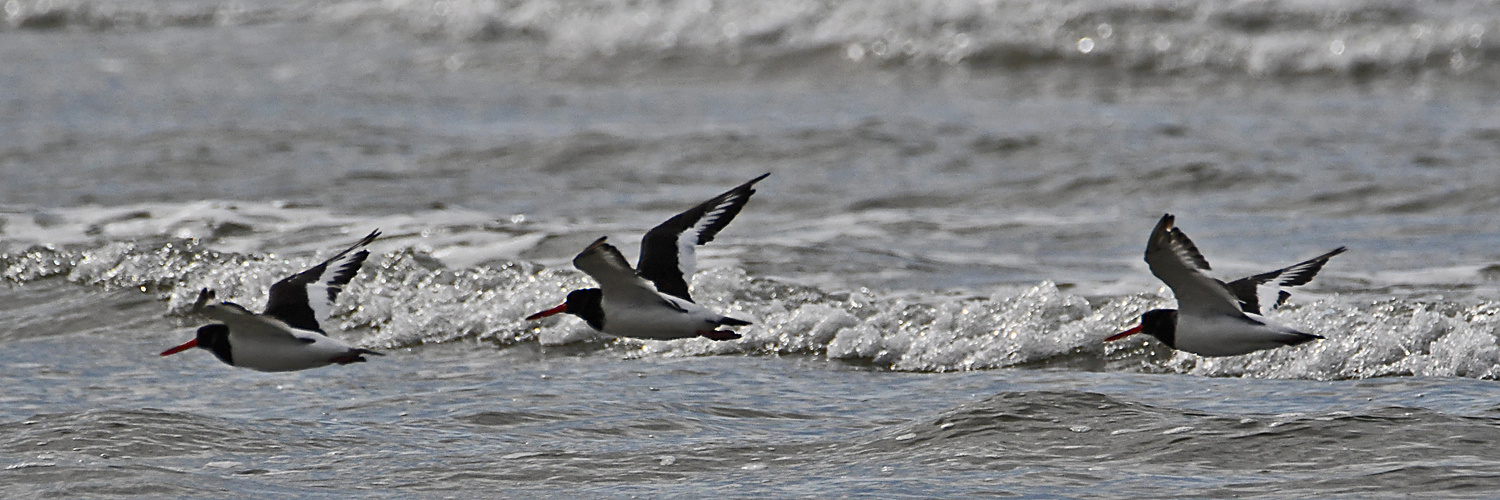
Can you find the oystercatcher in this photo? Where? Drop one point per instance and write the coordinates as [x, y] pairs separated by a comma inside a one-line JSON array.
[[286, 337], [651, 301], [1214, 318]]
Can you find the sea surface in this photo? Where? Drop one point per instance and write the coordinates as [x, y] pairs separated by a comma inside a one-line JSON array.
[[961, 192]]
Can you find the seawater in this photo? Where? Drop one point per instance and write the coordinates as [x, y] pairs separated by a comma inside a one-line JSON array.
[[960, 196]]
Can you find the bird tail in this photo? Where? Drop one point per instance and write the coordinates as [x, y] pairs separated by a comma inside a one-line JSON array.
[[728, 321], [355, 355], [719, 335]]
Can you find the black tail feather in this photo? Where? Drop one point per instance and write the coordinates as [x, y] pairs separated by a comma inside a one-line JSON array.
[[728, 321], [355, 355], [719, 335]]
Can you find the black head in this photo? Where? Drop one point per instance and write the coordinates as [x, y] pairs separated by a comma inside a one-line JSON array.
[[215, 338], [1162, 324], [579, 300], [1159, 323], [586, 303]]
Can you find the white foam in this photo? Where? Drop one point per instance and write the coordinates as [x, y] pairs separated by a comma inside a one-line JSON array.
[[452, 275]]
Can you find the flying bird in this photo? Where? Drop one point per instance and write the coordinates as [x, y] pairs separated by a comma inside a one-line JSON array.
[[651, 301], [1214, 318], [286, 336]]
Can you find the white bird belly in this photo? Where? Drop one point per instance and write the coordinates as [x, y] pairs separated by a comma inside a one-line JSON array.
[[1224, 335], [281, 356], [270, 346], [658, 322]]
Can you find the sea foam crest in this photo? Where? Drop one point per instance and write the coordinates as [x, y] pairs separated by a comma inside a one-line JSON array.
[[911, 332], [407, 296], [1377, 338]]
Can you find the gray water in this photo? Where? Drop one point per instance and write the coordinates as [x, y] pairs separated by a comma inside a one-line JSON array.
[[960, 196]]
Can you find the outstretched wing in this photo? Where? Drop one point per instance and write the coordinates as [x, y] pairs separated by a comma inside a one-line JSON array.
[[1251, 290], [667, 255], [300, 299], [1175, 260], [603, 262]]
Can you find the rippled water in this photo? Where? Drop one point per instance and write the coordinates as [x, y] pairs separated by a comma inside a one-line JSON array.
[[960, 196]]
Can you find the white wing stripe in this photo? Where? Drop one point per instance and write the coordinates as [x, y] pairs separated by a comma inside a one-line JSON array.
[[321, 292], [687, 258]]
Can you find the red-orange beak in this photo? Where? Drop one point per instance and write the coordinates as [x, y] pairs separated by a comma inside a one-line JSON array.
[[549, 312], [185, 346], [1124, 334]]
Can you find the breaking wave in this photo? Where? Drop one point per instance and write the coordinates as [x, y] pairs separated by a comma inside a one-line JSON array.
[[462, 281]]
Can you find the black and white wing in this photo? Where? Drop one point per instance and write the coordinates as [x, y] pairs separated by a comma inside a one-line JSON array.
[[249, 324], [1175, 260], [1251, 291], [617, 281], [667, 254], [302, 298]]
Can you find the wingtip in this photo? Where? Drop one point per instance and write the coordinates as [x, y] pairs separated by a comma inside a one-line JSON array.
[[1165, 226], [749, 186], [1166, 235], [204, 296], [599, 245]]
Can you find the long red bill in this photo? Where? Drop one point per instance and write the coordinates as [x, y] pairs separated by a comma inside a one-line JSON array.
[[1124, 334], [549, 312], [185, 346]]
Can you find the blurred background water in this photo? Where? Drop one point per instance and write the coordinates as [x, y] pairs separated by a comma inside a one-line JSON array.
[[961, 194]]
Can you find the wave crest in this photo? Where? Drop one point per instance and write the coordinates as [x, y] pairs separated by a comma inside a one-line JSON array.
[[463, 281]]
